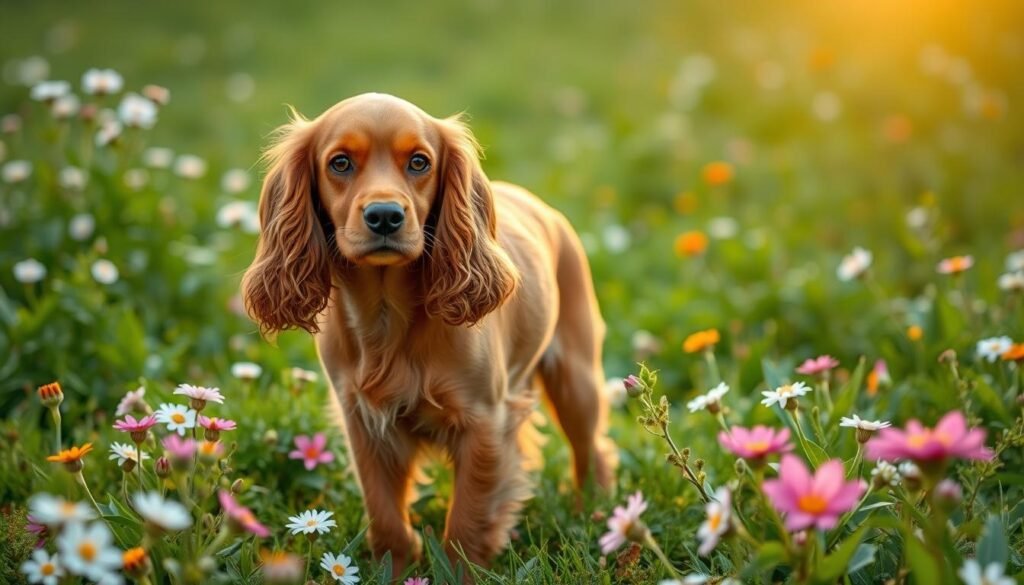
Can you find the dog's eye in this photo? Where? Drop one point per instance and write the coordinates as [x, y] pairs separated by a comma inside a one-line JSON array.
[[419, 163], [341, 164]]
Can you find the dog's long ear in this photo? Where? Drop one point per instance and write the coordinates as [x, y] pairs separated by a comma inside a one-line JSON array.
[[468, 274], [288, 283]]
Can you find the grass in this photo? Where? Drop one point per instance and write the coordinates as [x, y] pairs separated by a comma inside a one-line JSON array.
[[838, 131]]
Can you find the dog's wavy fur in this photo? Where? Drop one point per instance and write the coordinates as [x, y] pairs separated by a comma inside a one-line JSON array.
[[444, 343]]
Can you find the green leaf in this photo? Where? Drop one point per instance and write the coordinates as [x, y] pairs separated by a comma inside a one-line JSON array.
[[768, 556], [922, 565], [835, 565], [993, 546], [385, 565], [864, 556], [988, 398]]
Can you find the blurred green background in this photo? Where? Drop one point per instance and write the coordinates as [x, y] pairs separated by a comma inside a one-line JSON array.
[[888, 125]]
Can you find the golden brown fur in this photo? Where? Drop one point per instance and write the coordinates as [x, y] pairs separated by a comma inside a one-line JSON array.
[[439, 334]]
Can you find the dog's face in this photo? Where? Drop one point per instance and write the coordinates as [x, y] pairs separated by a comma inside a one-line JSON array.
[[377, 162], [375, 183]]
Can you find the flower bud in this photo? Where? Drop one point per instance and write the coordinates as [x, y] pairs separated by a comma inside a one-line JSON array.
[[163, 467], [699, 464], [197, 404], [128, 465], [947, 495], [237, 486], [634, 386], [136, 562], [740, 467], [864, 435], [800, 538], [51, 394], [270, 437], [911, 475]]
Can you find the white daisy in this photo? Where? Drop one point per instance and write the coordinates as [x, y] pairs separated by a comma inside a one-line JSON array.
[[246, 370], [16, 171], [43, 568], [885, 474], [1012, 281], [166, 515], [136, 179], [88, 550], [993, 574], [158, 157], [909, 470], [340, 567], [102, 82], [200, 393], [177, 417], [29, 271], [783, 394], [311, 521], [717, 523], [711, 400], [303, 375], [109, 132], [125, 452], [47, 91], [615, 390], [133, 401], [241, 214], [54, 510], [72, 178], [1015, 261], [864, 425], [235, 181], [136, 111], [854, 264], [189, 166], [104, 271], [645, 344], [993, 348], [81, 226], [65, 106]]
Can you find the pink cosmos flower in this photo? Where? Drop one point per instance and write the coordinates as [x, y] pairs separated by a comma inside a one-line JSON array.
[[134, 400], [417, 581], [130, 425], [213, 423], [623, 523], [179, 448], [311, 450], [812, 500], [240, 517], [949, 439], [755, 443], [34, 527], [819, 365]]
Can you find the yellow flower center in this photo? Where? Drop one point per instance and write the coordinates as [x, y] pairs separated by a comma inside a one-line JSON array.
[[312, 453], [47, 569], [67, 509], [311, 522], [714, 521], [87, 551], [178, 418], [339, 570], [757, 446], [786, 390], [812, 504], [918, 440]]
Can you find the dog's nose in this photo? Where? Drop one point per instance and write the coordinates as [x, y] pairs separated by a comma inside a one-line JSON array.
[[384, 218]]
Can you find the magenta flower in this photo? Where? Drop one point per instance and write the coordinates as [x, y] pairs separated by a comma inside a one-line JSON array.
[[311, 450], [130, 425], [948, 440], [417, 581], [812, 500], [240, 518], [213, 423], [178, 448], [756, 443], [816, 366], [624, 524]]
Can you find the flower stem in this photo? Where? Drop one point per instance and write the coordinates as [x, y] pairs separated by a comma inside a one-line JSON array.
[[55, 413], [309, 559], [721, 421], [709, 357], [653, 545], [81, 481]]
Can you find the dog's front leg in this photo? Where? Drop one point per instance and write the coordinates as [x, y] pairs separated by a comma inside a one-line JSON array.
[[385, 468]]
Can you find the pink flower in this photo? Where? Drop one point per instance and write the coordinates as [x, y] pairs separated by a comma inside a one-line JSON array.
[[134, 400], [216, 424], [417, 581], [311, 451], [812, 500], [178, 448], [755, 443], [32, 526], [819, 365], [624, 524], [949, 439], [130, 425], [955, 265], [240, 518]]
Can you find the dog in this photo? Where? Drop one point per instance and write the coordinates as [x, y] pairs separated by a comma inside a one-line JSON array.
[[440, 301]]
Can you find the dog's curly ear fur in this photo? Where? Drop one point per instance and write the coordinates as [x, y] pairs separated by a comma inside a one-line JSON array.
[[468, 273], [289, 281]]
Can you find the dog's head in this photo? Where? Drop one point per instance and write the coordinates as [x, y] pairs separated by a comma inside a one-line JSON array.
[[375, 182]]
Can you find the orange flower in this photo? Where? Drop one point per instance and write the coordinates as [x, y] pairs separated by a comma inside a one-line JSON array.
[[701, 341], [955, 265], [1015, 353], [136, 562], [690, 244], [872, 383], [71, 458], [717, 173], [51, 394], [915, 333]]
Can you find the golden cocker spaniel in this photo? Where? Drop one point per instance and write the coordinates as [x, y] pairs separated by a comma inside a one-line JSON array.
[[440, 301]]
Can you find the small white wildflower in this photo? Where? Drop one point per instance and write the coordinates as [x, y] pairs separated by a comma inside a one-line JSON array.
[[865, 425], [710, 401], [993, 574], [235, 181], [89, 550], [42, 568], [1015, 261], [16, 171], [65, 106], [246, 370], [47, 91], [885, 474], [136, 111], [158, 157], [340, 568], [1012, 281], [124, 452], [854, 264], [104, 271], [163, 514], [136, 179], [311, 521], [783, 394], [615, 391], [29, 271], [71, 178], [993, 348], [177, 417], [189, 166], [109, 132], [102, 82], [81, 226]]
